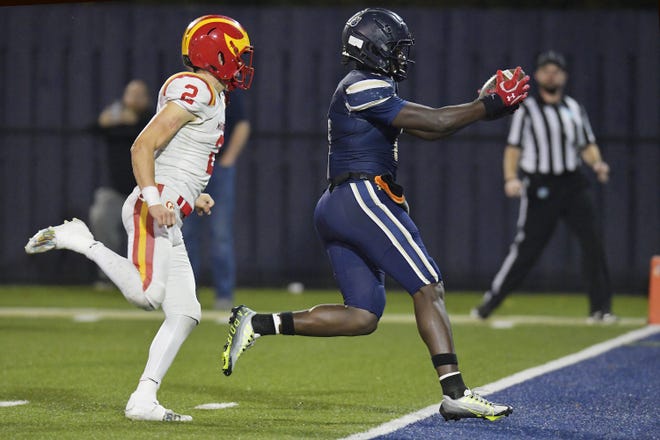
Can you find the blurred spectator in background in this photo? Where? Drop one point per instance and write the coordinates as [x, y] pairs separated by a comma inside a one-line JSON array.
[[213, 236], [118, 124], [550, 137]]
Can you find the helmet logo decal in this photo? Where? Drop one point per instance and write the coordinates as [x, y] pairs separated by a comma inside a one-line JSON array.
[[236, 41], [355, 42]]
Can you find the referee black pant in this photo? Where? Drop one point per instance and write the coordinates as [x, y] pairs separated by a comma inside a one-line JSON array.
[[545, 201]]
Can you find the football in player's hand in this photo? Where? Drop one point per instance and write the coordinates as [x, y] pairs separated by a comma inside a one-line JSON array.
[[489, 86]]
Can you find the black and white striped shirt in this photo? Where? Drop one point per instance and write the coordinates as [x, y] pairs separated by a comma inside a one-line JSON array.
[[551, 136]]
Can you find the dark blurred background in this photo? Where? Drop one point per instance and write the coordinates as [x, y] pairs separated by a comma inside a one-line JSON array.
[[60, 64]]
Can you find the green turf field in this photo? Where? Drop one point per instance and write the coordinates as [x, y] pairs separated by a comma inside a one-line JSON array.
[[76, 354]]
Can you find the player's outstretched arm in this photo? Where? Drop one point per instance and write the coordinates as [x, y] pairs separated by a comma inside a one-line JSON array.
[[435, 123], [431, 123]]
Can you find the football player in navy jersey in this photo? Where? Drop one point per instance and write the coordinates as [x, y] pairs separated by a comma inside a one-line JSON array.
[[362, 218]]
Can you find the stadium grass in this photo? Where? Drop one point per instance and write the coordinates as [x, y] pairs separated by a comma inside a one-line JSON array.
[[78, 375]]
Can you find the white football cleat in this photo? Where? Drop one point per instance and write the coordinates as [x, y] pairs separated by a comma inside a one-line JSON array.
[[151, 410], [73, 235], [472, 405]]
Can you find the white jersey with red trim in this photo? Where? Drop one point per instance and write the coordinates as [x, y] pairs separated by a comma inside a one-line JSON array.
[[186, 162]]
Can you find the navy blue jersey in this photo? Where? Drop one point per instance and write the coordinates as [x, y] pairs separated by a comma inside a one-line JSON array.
[[360, 133], [365, 233]]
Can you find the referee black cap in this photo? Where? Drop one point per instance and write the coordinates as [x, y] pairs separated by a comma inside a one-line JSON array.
[[551, 57]]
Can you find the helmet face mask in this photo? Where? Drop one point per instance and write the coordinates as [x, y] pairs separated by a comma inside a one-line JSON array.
[[380, 40], [243, 76], [220, 46], [399, 61]]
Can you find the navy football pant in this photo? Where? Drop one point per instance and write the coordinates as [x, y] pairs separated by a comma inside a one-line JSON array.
[[366, 236]]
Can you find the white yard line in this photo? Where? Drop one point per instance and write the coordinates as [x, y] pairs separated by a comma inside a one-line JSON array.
[[79, 314], [510, 321], [7, 403], [94, 314], [217, 405], [514, 379]]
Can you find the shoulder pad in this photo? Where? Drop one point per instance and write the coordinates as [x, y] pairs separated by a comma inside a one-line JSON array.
[[189, 90], [367, 93]]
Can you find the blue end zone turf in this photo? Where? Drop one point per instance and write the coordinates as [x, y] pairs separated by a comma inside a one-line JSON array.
[[612, 396]]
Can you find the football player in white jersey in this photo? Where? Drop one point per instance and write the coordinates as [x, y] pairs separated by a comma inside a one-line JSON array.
[[172, 162]]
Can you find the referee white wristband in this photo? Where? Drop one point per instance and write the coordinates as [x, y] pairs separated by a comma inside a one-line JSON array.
[[151, 195]]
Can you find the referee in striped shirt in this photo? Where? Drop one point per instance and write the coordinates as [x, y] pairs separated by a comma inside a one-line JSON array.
[[549, 139]]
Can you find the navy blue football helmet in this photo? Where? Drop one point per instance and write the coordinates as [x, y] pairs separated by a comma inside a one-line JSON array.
[[380, 40]]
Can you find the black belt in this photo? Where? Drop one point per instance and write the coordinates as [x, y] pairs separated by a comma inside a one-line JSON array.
[[345, 177], [385, 182]]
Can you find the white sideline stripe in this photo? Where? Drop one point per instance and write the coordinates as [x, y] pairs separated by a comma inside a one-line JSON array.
[[514, 379], [93, 315]]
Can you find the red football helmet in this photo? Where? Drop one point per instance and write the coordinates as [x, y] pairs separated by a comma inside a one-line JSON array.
[[219, 45]]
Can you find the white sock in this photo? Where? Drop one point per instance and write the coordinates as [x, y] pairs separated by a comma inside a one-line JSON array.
[[147, 389], [121, 272], [164, 347]]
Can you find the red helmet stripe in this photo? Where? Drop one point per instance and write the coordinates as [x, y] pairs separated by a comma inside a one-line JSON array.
[[208, 19]]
